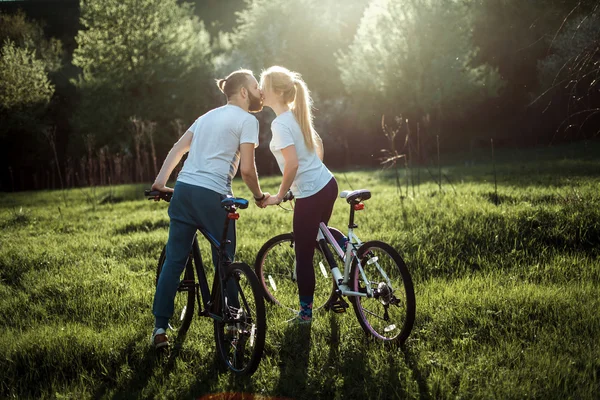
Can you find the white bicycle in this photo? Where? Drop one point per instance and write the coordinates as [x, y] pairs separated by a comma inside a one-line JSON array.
[[374, 277]]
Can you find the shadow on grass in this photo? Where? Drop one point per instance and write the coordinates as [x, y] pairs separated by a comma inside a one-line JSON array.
[[294, 363], [411, 361], [371, 369], [207, 378], [143, 226], [165, 359], [133, 386]]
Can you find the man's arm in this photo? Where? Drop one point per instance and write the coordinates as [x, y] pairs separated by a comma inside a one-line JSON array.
[[181, 147], [248, 169]]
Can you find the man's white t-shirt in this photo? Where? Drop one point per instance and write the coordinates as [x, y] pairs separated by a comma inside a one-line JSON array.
[[312, 174], [214, 155]]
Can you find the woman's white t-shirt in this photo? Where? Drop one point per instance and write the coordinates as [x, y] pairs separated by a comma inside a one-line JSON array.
[[312, 174], [214, 155]]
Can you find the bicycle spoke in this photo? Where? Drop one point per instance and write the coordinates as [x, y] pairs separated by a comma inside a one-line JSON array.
[[240, 336], [388, 277], [373, 314], [275, 268]]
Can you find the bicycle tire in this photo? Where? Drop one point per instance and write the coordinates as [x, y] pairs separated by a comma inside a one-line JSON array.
[[184, 298], [274, 267], [240, 333], [390, 315]]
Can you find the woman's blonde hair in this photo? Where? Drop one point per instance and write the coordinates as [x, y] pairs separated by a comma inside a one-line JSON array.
[[295, 93]]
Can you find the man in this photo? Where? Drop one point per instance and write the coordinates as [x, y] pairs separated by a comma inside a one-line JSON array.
[[218, 143]]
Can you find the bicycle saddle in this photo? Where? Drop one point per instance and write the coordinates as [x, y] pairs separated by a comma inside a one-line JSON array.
[[356, 196], [234, 201]]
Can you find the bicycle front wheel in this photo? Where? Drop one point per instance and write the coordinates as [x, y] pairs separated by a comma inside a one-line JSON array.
[[388, 315], [184, 298], [275, 267], [240, 334]]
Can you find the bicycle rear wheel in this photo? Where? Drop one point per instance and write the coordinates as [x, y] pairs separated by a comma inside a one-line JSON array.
[[388, 315], [184, 298], [275, 267], [240, 335]]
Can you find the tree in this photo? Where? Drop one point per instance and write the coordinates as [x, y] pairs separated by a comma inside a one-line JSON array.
[[148, 59], [570, 75], [29, 35], [302, 36], [415, 58], [27, 61], [23, 80]]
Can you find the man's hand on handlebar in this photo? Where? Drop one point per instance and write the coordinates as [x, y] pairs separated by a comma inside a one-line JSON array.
[[161, 188]]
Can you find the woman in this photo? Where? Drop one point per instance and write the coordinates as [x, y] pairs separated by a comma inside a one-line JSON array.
[[299, 153]]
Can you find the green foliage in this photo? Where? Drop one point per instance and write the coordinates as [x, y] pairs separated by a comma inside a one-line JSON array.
[[148, 59], [28, 62], [30, 35], [416, 58], [303, 36], [23, 80], [26, 59], [507, 295]]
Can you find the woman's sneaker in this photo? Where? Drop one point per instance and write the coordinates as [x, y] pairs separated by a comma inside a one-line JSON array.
[[159, 338], [298, 320]]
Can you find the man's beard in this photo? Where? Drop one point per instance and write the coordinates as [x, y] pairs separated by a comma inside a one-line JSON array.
[[256, 103]]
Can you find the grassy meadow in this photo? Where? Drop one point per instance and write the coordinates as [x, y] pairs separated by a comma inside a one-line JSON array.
[[507, 288]]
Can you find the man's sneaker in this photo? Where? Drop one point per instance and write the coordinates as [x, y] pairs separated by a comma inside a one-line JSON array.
[[159, 338]]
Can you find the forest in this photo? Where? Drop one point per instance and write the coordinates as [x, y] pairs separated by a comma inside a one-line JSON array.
[[95, 92]]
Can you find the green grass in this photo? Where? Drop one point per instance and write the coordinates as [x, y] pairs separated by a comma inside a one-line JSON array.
[[507, 294]]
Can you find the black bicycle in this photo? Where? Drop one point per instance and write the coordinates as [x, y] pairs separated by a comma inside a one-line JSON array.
[[235, 303], [372, 275]]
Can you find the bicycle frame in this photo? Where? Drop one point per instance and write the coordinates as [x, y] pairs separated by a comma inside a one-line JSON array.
[[341, 280], [204, 292], [324, 236]]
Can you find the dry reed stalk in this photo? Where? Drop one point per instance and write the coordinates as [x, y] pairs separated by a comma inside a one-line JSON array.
[[137, 132], [89, 142], [419, 160], [150, 129], [495, 180], [12, 179], [50, 134]]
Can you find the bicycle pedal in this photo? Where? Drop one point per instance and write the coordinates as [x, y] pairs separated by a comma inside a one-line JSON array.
[[339, 306]]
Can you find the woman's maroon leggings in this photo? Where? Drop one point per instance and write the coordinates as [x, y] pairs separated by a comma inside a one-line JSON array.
[[308, 214]]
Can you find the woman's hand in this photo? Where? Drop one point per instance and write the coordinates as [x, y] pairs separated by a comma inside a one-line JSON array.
[[272, 201]]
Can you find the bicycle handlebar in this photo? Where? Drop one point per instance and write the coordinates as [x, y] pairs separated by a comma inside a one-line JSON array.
[[288, 196], [157, 195]]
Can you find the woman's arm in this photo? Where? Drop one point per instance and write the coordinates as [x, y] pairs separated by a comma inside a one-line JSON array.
[[319, 146], [179, 149], [289, 173]]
